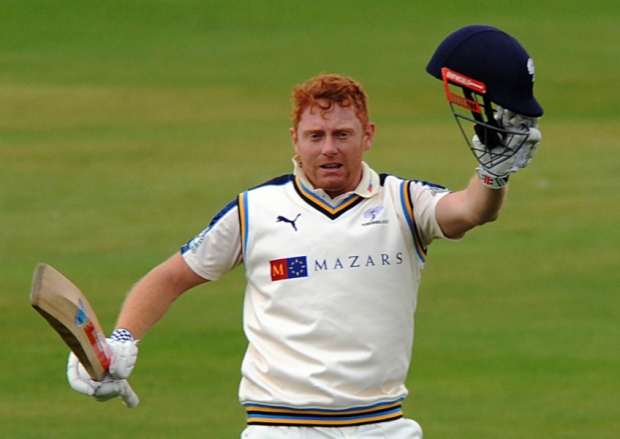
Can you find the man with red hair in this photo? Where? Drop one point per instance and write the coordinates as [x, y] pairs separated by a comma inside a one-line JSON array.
[[333, 255]]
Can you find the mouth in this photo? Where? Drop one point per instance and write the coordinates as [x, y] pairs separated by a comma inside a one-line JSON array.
[[331, 166]]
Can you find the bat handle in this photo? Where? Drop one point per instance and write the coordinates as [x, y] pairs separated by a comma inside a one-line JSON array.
[[129, 397]]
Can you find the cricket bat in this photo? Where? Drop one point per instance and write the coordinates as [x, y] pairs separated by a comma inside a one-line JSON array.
[[67, 310]]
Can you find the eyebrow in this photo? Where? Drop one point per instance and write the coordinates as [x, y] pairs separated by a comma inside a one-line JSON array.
[[335, 129]]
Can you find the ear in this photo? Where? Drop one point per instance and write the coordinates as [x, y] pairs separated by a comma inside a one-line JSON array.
[[369, 135], [294, 139]]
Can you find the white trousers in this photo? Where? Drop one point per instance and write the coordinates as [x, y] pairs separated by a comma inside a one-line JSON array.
[[397, 429]]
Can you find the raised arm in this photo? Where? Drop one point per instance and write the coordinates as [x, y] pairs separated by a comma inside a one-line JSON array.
[[461, 211], [482, 200]]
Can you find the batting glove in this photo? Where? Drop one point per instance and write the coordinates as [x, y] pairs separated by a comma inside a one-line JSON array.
[[517, 148], [123, 353], [103, 390], [114, 384]]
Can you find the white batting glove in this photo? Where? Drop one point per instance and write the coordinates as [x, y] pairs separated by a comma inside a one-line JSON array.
[[103, 390], [516, 150], [114, 384], [123, 353]]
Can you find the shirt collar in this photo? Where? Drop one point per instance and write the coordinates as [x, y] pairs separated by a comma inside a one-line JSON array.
[[367, 187]]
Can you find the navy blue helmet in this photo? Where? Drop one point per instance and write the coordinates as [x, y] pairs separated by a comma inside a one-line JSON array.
[[490, 57]]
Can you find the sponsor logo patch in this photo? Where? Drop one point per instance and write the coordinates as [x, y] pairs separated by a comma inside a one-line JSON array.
[[81, 317], [289, 268], [283, 219]]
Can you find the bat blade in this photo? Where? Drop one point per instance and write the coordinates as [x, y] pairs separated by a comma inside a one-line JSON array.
[[67, 310]]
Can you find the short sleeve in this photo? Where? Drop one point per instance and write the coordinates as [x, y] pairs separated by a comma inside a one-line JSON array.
[[424, 197], [217, 249]]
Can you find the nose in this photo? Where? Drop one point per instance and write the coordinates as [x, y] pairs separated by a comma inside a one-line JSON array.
[[328, 146]]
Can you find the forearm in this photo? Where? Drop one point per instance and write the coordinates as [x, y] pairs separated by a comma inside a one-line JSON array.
[[153, 295], [145, 305], [461, 211], [483, 202]]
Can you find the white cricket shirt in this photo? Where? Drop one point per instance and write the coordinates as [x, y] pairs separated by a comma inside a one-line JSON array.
[[331, 294]]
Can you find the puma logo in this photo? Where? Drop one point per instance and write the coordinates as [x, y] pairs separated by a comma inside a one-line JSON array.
[[282, 219]]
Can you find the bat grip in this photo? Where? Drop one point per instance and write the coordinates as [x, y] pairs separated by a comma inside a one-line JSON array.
[[129, 397]]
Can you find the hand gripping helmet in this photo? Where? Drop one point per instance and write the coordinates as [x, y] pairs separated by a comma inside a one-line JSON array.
[[491, 68]]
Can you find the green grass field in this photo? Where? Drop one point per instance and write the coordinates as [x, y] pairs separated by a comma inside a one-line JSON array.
[[125, 125]]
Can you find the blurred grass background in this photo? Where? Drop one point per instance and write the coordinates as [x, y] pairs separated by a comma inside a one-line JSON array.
[[125, 125]]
